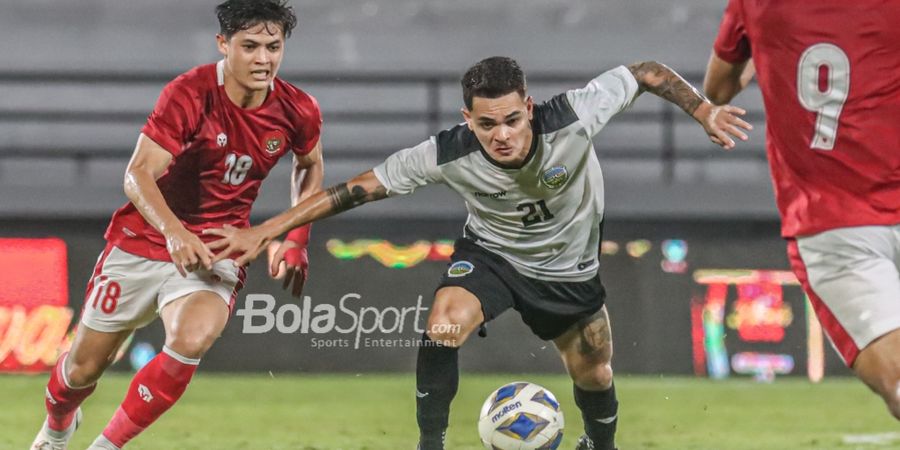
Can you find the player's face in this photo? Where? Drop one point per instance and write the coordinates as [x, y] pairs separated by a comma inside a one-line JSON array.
[[252, 56], [502, 126]]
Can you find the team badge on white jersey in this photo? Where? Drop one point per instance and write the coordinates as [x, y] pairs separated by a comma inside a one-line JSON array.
[[555, 177]]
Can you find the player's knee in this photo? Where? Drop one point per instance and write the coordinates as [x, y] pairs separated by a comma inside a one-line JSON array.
[[891, 396], [192, 344], [85, 372], [894, 407], [448, 327], [446, 333], [598, 377]]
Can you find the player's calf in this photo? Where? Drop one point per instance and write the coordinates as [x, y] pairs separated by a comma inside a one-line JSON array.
[[63, 397], [454, 315], [437, 380], [153, 390], [586, 350], [595, 395]]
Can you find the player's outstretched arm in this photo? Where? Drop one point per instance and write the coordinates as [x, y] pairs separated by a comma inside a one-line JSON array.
[[724, 80], [719, 122], [250, 242], [147, 164], [289, 259]]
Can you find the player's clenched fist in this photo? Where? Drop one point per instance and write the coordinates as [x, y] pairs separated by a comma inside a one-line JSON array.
[[289, 261], [188, 252]]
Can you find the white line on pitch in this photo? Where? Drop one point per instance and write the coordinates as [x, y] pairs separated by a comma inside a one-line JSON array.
[[872, 438]]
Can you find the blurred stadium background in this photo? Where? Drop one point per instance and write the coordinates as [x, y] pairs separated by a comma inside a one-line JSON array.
[[699, 286]]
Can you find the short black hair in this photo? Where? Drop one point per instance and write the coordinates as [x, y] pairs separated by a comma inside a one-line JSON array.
[[239, 15], [492, 78]]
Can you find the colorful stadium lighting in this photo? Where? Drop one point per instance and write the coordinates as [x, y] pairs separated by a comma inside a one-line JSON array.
[[140, 355], [638, 248], [390, 255], [609, 248], [674, 252]]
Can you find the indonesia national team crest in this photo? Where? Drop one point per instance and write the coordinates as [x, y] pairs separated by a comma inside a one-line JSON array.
[[460, 269], [274, 141], [555, 177]]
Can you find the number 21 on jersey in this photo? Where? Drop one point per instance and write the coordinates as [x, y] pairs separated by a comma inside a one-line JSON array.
[[823, 84], [236, 169]]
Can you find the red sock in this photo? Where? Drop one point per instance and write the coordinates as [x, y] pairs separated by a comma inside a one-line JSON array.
[[154, 389], [62, 400]]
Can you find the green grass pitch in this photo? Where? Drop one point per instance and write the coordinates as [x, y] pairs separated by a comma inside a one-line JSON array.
[[369, 411]]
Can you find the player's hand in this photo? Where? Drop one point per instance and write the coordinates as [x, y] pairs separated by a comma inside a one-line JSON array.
[[249, 242], [188, 252], [290, 262], [721, 123]]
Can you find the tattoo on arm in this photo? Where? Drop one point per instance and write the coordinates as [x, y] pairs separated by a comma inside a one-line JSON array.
[[664, 82], [343, 198], [596, 337]]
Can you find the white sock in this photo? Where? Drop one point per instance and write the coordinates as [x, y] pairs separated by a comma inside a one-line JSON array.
[[102, 443]]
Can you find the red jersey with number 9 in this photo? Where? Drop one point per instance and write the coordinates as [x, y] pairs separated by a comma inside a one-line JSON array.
[[829, 71], [221, 154]]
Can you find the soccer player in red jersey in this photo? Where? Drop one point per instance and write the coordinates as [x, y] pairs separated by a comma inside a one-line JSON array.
[[829, 72], [215, 133]]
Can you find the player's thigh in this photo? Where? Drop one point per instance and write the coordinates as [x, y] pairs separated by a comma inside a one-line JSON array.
[[121, 294], [195, 309], [878, 365], [471, 292], [587, 343], [853, 282], [193, 322], [553, 308]]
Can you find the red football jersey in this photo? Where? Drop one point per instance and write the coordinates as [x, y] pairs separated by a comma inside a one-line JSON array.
[[829, 71], [221, 154]]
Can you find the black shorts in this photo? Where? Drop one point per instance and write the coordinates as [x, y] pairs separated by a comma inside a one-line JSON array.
[[549, 308]]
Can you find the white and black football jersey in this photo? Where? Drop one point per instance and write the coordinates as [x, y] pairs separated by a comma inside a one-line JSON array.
[[544, 217]]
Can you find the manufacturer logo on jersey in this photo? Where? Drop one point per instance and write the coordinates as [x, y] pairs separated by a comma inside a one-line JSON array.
[[222, 139], [490, 195], [274, 141], [460, 269], [555, 177]]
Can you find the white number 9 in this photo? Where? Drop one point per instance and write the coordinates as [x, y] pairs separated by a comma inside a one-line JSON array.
[[827, 103]]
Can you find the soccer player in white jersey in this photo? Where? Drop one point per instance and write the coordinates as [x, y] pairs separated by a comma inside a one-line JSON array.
[[534, 192]]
